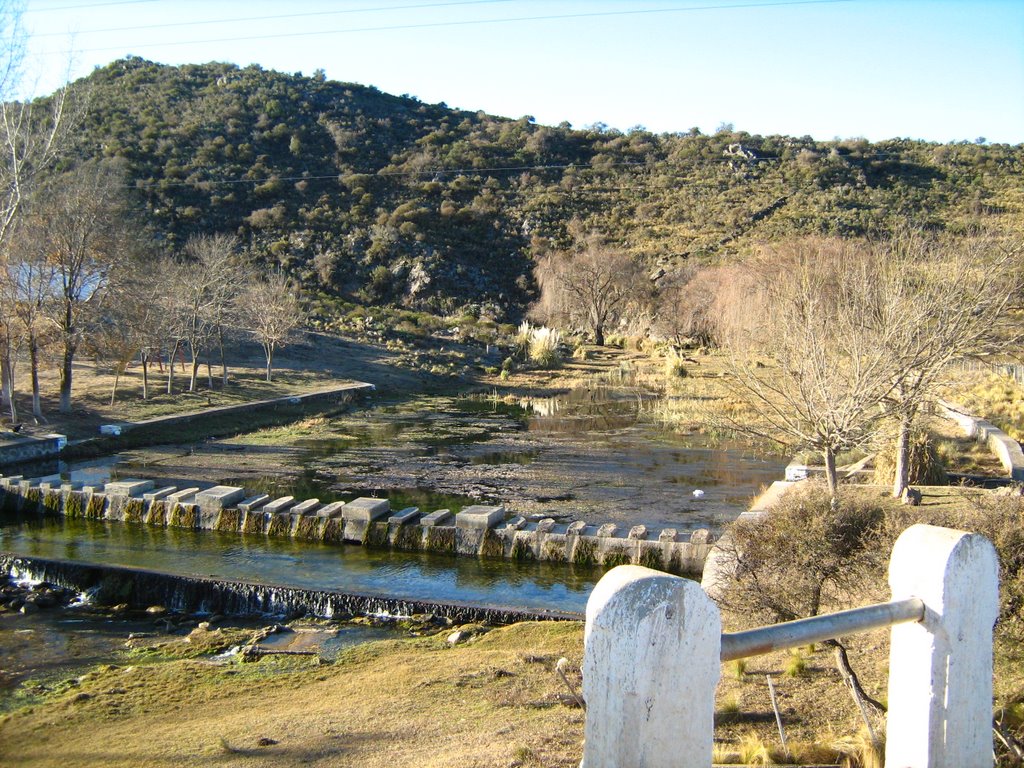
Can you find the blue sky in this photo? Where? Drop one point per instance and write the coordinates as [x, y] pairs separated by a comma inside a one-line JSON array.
[[940, 70]]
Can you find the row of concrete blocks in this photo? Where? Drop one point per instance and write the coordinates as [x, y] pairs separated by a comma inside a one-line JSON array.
[[477, 530]]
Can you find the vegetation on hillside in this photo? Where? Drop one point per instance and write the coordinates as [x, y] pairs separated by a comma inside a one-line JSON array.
[[384, 199]]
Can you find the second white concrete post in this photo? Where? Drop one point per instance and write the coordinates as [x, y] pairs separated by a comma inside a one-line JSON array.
[[651, 664], [940, 671]]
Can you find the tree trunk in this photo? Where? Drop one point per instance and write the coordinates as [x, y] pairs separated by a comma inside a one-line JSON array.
[[902, 457], [7, 372], [145, 375], [270, 358], [209, 373], [223, 359], [830, 472], [599, 335], [65, 379], [117, 378], [33, 356], [195, 371], [170, 369]]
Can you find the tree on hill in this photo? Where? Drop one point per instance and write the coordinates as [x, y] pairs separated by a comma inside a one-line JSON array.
[[589, 288]]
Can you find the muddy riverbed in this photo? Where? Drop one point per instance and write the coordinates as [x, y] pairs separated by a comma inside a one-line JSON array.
[[585, 456]]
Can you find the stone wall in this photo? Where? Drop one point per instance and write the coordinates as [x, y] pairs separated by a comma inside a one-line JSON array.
[[476, 531]]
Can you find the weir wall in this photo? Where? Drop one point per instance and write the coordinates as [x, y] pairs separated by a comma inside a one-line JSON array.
[[476, 531]]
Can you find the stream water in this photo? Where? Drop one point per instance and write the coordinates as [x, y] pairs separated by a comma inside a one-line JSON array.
[[303, 564]]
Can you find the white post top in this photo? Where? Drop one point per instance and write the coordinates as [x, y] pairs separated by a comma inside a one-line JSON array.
[[651, 664], [940, 670]]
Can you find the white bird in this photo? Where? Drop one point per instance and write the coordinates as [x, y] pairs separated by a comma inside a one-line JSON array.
[[698, 493]]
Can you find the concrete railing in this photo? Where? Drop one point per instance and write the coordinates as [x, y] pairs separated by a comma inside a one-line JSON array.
[[654, 645]]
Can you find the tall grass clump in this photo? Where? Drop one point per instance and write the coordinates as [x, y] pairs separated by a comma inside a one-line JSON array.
[[545, 347]]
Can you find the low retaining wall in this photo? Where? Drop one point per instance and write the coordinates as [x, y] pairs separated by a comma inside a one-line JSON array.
[[1006, 449], [478, 530], [17, 448], [177, 419]]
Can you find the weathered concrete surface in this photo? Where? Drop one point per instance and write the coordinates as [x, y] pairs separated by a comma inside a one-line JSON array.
[[219, 497], [649, 637], [940, 671], [437, 517], [1005, 448], [360, 513], [128, 487]]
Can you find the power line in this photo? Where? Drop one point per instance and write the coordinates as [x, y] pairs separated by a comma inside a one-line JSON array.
[[85, 7], [235, 20], [471, 22]]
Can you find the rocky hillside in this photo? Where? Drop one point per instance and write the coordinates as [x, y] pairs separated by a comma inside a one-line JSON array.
[[383, 199]]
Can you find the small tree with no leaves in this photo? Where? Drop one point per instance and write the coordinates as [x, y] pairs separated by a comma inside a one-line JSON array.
[[795, 328], [271, 312], [589, 288]]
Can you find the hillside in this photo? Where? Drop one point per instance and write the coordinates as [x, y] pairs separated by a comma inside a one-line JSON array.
[[383, 199]]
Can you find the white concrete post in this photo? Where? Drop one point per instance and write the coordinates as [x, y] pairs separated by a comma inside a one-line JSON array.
[[650, 667], [940, 670]]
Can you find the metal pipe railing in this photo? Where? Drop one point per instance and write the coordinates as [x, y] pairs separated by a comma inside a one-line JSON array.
[[792, 634]]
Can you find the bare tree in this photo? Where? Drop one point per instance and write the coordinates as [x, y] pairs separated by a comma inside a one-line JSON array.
[[28, 284], [83, 222], [799, 352], [271, 312], [589, 288], [937, 300], [207, 283]]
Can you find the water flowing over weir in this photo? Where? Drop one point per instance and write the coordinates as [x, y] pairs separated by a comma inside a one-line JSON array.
[[190, 594]]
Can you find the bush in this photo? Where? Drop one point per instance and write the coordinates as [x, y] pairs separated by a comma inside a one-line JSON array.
[[925, 464], [674, 368], [545, 347]]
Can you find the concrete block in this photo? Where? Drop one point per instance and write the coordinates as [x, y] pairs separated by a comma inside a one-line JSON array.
[[219, 497], [332, 511], [184, 496], [278, 505], [638, 532], [11, 482], [161, 493], [700, 536], [68, 487], [406, 516], [546, 525], [253, 502], [517, 523], [48, 486], [940, 669], [668, 534], [307, 507], [366, 510], [437, 517], [479, 516], [576, 528], [360, 514], [607, 531], [110, 429]]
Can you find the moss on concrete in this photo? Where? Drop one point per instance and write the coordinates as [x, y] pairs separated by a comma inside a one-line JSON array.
[[554, 551], [492, 545], [73, 504], [441, 539], [650, 557], [584, 553], [53, 502], [157, 514], [133, 510], [615, 556], [376, 535], [96, 507], [408, 538], [280, 525], [306, 527], [228, 520]]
